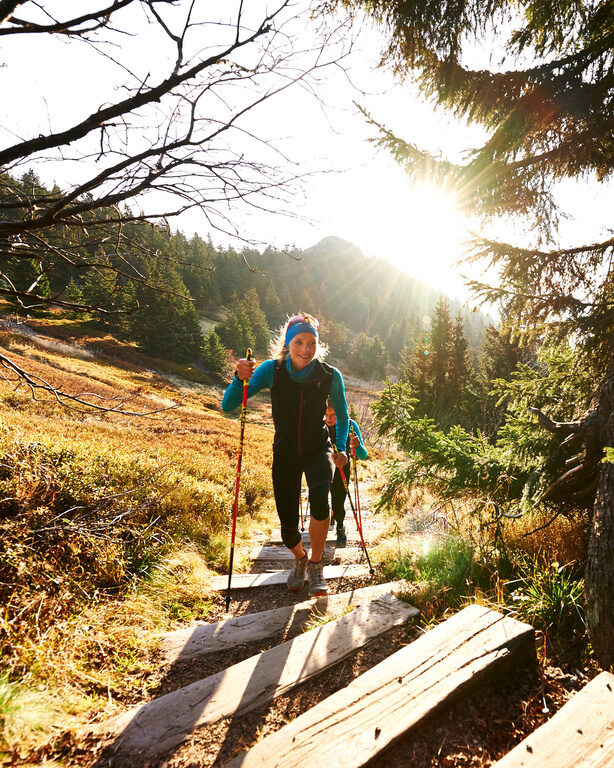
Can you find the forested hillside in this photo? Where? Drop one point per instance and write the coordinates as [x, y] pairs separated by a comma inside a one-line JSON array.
[[159, 289]]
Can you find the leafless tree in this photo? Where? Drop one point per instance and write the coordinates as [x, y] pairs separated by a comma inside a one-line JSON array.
[[181, 87]]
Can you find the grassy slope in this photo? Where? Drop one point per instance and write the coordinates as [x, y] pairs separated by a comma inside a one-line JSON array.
[[109, 525]]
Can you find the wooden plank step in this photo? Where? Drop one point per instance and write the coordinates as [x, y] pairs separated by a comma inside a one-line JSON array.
[[161, 724], [275, 537], [229, 633], [249, 580], [362, 720], [580, 734], [369, 532], [281, 553]]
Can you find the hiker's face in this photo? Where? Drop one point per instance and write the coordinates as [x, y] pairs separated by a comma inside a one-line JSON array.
[[330, 418], [302, 350]]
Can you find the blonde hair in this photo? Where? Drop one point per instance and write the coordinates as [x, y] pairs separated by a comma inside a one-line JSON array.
[[279, 350]]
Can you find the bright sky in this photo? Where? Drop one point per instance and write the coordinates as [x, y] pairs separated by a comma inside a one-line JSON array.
[[363, 197]]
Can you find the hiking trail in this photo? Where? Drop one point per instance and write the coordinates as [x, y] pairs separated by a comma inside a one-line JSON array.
[[281, 686]]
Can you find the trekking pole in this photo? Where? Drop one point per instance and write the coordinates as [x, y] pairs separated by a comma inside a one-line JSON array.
[[356, 494], [358, 526], [237, 482]]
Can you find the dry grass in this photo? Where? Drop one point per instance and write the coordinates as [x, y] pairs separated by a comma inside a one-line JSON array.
[[110, 527], [564, 540]]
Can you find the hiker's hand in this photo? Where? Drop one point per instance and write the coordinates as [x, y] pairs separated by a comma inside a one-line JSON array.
[[340, 459], [354, 441], [245, 368]]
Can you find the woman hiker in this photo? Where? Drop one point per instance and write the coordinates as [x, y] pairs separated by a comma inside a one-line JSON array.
[[300, 384], [337, 489]]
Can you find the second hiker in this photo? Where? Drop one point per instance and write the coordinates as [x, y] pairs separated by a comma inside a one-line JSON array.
[[337, 489]]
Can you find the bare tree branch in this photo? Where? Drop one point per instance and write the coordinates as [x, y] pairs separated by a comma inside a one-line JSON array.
[[18, 377]]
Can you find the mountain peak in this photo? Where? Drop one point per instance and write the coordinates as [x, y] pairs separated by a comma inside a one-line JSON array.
[[333, 245]]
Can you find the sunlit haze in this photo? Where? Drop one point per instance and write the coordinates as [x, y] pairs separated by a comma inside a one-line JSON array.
[[350, 188]]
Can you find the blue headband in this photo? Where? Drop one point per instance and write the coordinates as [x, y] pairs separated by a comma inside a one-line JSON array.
[[303, 327]]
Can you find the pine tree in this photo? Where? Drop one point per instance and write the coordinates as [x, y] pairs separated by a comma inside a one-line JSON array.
[[167, 326], [377, 358], [72, 292], [415, 369], [550, 119], [441, 352], [459, 360], [359, 355], [214, 354], [257, 321], [336, 338]]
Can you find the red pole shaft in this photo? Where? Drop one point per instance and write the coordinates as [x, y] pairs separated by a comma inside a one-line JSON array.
[[235, 506], [356, 494]]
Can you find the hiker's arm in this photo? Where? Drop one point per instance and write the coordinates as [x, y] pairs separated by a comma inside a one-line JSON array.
[[337, 395], [262, 378], [359, 448]]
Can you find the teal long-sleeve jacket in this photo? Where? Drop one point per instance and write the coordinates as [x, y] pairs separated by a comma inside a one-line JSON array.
[[262, 378]]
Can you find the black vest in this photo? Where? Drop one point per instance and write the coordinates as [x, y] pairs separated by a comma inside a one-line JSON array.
[[298, 410]]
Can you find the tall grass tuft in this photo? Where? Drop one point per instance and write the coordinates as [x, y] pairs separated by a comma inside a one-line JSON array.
[[551, 597], [25, 715], [446, 570]]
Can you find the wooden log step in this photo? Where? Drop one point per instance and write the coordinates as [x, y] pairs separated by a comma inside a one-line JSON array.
[[369, 532], [163, 723], [249, 580], [275, 537], [207, 638], [362, 720], [580, 734], [281, 553]]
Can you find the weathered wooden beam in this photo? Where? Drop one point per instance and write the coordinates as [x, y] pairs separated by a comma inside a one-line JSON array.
[[370, 531], [580, 735], [357, 723], [275, 537], [161, 724], [249, 580], [206, 638], [281, 553]]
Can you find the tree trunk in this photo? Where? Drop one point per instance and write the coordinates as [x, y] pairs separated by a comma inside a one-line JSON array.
[[599, 580]]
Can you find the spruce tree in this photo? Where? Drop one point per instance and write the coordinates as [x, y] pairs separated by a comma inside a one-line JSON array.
[[415, 369], [214, 354], [440, 356], [377, 358], [549, 109], [257, 321], [359, 355]]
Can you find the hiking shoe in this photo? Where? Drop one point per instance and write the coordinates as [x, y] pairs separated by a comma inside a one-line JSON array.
[[296, 580], [342, 539], [317, 585]]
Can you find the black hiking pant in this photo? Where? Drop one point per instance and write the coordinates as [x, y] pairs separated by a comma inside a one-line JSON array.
[[287, 474]]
